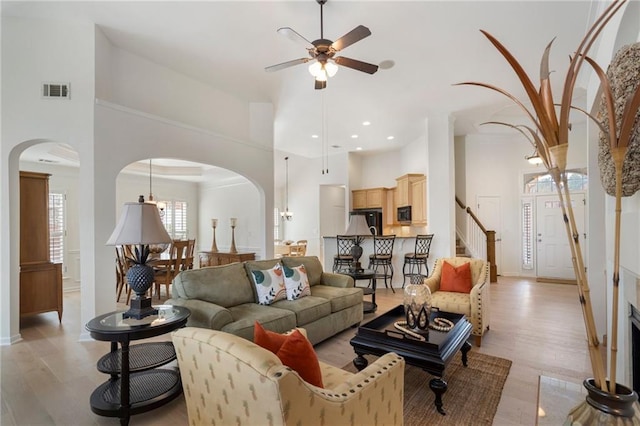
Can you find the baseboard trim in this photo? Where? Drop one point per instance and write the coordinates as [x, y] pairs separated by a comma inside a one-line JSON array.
[[555, 281]]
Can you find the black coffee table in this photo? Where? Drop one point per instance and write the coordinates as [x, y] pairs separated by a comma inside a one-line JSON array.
[[379, 336]]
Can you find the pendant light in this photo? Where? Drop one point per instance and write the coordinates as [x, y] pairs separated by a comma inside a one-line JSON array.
[[160, 206], [286, 214]]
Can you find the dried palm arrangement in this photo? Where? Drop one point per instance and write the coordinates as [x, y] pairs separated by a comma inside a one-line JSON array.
[[549, 133]]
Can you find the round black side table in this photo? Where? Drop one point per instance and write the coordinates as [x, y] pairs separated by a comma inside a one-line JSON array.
[[136, 384], [364, 274]]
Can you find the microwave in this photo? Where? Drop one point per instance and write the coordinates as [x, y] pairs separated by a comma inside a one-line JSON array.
[[404, 215]]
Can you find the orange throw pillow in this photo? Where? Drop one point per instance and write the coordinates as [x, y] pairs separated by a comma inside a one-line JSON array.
[[456, 279], [293, 350], [269, 340]]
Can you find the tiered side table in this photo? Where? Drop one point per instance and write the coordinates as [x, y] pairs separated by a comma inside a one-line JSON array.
[[136, 382]]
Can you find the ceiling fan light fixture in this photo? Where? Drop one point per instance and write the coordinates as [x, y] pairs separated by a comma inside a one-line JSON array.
[[330, 68]]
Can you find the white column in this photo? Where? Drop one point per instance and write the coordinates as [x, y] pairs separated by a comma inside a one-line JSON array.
[[441, 184]]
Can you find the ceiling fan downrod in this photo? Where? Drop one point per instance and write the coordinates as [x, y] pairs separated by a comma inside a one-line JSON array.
[[321, 3]]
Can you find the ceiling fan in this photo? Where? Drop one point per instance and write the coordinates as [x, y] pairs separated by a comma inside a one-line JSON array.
[[322, 52]]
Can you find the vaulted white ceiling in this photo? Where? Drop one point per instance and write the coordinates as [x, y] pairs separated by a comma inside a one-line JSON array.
[[432, 45]]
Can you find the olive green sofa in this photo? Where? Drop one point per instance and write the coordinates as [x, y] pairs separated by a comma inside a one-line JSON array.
[[224, 298]]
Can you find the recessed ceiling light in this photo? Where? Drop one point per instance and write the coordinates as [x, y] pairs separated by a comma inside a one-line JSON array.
[[354, 136], [366, 123], [390, 138], [314, 136], [359, 148]]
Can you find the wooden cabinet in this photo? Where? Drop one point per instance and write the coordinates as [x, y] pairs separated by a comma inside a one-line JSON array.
[[40, 279], [372, 198], [209, 258], [359, 199], [404, 190], [418, 202], [389, 215]]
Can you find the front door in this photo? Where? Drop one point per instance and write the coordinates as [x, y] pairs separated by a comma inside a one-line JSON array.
[[553, 252]]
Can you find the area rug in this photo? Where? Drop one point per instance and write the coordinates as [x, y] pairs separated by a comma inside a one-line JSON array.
[[472, 396]]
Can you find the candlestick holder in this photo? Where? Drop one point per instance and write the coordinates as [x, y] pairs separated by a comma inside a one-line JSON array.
[[214, 246], [233, 236]]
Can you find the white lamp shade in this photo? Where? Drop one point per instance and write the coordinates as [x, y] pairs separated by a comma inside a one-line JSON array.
[[358, 226], [139, 223]]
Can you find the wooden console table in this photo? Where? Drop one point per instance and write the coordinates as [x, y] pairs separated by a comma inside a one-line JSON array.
[[209, 258]]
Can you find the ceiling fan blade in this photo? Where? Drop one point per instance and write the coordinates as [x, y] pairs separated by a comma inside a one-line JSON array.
[[295, 37], [320, 85], [356, 34], [356, 65], [287, 64]]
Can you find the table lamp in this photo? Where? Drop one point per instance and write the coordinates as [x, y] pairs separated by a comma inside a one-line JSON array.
[[359, 228], [139, 224]]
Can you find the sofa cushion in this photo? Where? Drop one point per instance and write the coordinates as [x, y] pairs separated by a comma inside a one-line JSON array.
[[307, 309], [457, 303], [296, 282], [340, 298], [226, 285], [269, 284], [271, 318], [311, 264]]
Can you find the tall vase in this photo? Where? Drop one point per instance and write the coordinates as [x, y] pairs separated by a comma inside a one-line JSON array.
[[214, 246], [233, 240], [604, 408]]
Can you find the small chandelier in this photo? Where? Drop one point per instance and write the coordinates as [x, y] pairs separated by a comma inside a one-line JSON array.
[[160, 205], [286, 214]]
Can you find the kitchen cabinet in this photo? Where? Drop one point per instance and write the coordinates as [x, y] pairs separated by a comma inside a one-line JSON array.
[[389, 215], [372, 198], [404, 190], [418, 202]]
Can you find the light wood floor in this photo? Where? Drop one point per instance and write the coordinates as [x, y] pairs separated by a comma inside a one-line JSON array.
[[47, 378]]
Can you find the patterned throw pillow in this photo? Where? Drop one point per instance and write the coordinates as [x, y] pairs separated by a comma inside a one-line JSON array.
[[297, 282], [269, 285], [456, 279]]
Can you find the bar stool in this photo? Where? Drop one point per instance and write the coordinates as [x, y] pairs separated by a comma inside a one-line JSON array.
[[383, 256], [343, 257], [418, 258]]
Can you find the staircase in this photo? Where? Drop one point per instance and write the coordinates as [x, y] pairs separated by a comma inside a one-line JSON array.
[[461, 249]]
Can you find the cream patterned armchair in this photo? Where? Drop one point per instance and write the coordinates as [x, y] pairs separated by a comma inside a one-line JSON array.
[[228, 380], [474, 305]]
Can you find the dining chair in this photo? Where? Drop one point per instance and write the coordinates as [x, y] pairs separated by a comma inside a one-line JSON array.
[[166, 271], [191, 246], [299, 248], [122, 266]]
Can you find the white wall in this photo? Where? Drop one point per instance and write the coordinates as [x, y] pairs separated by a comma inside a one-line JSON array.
[[222, 202], [216, 130], [34, 52]]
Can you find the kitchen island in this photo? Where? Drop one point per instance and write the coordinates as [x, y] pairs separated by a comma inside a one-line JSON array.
[[401, 246]]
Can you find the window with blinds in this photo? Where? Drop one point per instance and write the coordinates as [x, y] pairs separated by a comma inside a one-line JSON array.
[[174, 219], [527, 234], [56, 226], [276, 223]]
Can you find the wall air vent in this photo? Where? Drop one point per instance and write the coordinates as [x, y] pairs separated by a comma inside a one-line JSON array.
[[56, 90]]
